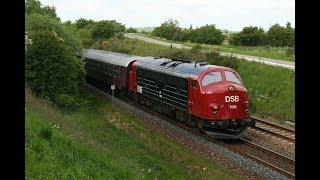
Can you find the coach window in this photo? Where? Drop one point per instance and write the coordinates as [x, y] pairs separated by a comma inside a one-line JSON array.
[[106, 68], [101, 67], [233, 77], [109, 69], [115, 71], [211, 78]]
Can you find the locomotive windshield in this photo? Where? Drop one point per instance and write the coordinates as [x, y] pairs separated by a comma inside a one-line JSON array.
[[232, 76], [211, 78], [216, 76]]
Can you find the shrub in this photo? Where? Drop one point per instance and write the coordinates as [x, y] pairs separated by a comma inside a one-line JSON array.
[[51, 70]]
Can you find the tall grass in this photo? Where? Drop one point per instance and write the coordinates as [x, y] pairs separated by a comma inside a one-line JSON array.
[[271, 90]]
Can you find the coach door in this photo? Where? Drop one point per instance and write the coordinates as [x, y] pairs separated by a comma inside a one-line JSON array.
[[194, 104]]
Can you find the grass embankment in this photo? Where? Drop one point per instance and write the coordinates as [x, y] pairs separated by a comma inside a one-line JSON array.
[[97, 142], [260, 51], [271, 89]]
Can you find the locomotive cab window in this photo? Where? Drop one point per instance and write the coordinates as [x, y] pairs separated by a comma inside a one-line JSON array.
[[233, 77], [211, 78]]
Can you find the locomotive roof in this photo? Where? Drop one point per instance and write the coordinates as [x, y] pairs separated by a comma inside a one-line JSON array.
[[118, 59], [174, 67]]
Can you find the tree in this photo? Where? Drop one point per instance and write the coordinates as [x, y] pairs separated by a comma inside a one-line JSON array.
[[34, 6], [280, 36], [249, 36], [106, 29], [51, 70], [85, 36], [132, 30], [37, 23], [207, 34], [169, 29], [82, 23]]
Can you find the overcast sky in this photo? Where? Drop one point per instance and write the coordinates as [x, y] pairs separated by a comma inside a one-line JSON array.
[[232, 15]]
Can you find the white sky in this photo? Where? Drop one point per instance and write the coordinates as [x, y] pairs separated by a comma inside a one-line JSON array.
[[232, 15]]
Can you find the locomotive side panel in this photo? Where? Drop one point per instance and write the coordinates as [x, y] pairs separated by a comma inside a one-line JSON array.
[[163, 88]]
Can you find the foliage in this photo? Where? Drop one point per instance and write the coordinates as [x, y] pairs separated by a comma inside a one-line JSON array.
[[84, 23], [279, 36], [86, 37], [35, 6], [71, 27], [186, 34], [37, 23], [115, 44], [131, 30], [249, 36], [82, 29], [52, 71], [107, 28], [169, 29], [207, 34]]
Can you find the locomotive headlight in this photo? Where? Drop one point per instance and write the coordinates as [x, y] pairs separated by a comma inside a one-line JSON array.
[[246, 105], [215, 107], [231, 88]]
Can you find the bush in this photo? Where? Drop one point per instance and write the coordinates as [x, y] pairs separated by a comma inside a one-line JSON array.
[[131, 30], [168, 30], [279, 36], [115, 44], [290, 52], [106, 29], [39, 23], [249, 36], [207, 34], [51, 70]]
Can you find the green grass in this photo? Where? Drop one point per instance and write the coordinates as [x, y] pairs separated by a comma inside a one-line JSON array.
[[271, 90], [97, 142], [260, 51]]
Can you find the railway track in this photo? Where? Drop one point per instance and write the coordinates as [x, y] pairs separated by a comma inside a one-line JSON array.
[[275, 130], [259, 154], [269, 158]]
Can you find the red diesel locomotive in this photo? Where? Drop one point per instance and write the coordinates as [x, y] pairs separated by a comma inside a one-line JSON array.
[[211, 98]]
